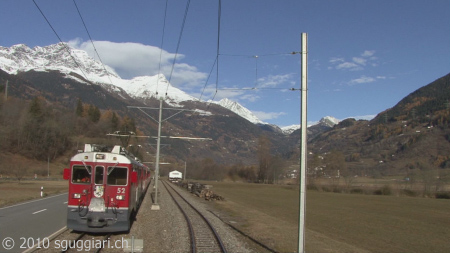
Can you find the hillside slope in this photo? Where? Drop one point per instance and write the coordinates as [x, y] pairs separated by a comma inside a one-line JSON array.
[[414, 134]]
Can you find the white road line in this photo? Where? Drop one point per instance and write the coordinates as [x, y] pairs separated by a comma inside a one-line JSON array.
[[24, 203], [66, 202], [51, 237], [39, 211]]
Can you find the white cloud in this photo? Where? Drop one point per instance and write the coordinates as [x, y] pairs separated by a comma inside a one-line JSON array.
[[359, 60], [336, 60], [250, 97], [357, 63], [130, 60], [349, 66], [267, 115], [362, 79], [368, 53], [272, 81], [235, 94]]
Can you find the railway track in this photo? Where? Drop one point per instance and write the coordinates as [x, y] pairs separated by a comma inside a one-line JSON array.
[[73, 242], [204, 238]]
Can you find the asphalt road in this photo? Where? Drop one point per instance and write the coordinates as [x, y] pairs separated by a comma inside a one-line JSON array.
[[26, 224]]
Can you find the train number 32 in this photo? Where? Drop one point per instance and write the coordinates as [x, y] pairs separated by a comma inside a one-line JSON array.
[[120, 190]]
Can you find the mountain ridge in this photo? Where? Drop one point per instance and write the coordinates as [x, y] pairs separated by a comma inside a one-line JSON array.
[[21, 58], [80, 66]]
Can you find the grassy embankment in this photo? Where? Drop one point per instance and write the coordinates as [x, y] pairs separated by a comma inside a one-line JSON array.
[[12, 192], [337, 222]]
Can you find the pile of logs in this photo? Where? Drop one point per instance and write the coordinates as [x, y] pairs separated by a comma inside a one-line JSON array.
[[203, 191]]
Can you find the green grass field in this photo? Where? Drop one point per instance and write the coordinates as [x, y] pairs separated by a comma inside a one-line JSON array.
[[337, 222]]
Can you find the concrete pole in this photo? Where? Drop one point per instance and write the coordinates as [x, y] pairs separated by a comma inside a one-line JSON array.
[[184, 170], [303, 142], [155, 206]]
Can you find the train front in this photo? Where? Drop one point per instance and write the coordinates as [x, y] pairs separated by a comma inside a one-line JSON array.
[[100, 191]]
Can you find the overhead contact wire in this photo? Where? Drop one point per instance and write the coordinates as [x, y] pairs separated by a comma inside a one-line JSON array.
[[92, 42], [161, 47], [219, 14], [178, 44], [64, 44], [206, 83]]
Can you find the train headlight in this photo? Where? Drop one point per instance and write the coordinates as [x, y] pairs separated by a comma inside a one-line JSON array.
[[120, 197], [99, 156], [76, 195]]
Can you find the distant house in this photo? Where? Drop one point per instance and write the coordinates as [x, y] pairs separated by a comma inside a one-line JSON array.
[[175, 176]]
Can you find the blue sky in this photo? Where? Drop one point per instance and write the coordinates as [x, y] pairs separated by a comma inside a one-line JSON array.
[[363, 56]]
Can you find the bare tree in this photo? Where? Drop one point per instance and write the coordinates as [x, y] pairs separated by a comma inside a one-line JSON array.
[[19, 172], [264, 158], [335, 162]]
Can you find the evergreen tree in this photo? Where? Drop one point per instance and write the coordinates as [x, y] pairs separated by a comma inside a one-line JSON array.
[[114, 122], [79, 110], [94, 113], [128, 124], [35, 110]]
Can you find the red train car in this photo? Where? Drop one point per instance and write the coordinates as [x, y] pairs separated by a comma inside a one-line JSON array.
[[106, 187]]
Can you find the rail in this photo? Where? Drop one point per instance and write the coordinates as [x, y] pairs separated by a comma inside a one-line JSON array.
[[204, 238]]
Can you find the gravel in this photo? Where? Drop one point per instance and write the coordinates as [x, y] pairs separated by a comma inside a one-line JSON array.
[[165, 230]]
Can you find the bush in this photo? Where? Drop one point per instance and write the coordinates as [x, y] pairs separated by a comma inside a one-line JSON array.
[[386, 190], [337, 189], [312, 187], [326, 189], [442, 195], [357, 191], [409, 193]]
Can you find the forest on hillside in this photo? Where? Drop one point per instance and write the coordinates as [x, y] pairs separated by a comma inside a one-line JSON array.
[[40, 130], [45, 131]]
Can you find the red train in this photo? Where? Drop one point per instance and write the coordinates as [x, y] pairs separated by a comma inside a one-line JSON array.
[[106, 187]]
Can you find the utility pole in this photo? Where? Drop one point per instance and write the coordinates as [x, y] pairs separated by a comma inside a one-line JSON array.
[[184, 171], [155, 206], [303, 141]]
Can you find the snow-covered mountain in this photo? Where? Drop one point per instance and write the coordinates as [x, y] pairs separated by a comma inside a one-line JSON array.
[[239, 110], [67, 60], [77, 64], [21, 58], [329, 121], [325, 122], [290, 129], [61, 57]]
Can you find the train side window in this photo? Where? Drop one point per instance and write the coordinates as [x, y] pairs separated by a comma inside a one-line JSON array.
[[81, 174], [98, 175], [117, 176]]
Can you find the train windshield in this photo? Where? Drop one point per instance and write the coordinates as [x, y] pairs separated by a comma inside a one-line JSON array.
[[117, 176], [99, 175], [81, 174]]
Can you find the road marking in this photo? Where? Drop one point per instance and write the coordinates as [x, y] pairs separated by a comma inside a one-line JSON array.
[[39, 211], [51, 237], [24, 203], [66, 202]]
